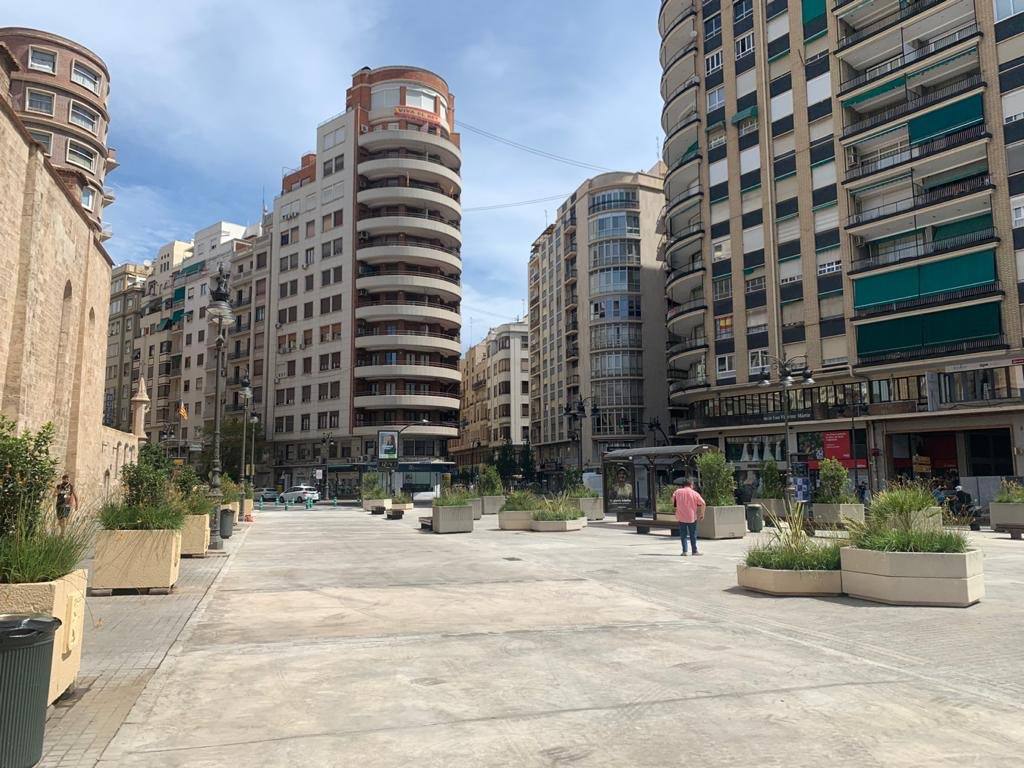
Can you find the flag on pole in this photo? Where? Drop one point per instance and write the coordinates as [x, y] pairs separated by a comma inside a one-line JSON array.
[[182, 410]]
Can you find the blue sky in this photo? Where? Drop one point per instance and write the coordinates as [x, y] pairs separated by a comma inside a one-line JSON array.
[[212, 99]]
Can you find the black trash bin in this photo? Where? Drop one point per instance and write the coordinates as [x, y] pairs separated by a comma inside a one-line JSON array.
[[26, 650], [755, 518], [227, 522]]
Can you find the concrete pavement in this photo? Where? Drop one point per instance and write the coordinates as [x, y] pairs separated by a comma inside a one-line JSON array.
[[332, 638]]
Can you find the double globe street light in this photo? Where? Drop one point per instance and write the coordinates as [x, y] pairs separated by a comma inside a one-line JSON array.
[[578, 412], [791, 372], [219, 313]]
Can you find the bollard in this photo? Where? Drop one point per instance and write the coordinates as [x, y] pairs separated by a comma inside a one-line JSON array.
[[334, 501], [309, 502], [286, 505], [259, 504]]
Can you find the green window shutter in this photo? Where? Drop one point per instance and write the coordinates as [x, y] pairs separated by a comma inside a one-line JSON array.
[[962, 272], [959, 114], [179, 294], [897, 82], [889, 335], [978, 322], [743, 114], [812, 9], [886, 288], [963, 227]]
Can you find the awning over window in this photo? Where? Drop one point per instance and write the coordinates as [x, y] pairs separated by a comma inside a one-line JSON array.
[[952, 117], [897, 82], [978, 322], [913, 282], [743, 114], [178, 316], [192, 269], [179, 294]]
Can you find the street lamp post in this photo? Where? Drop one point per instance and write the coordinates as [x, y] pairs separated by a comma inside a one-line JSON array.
[[326, 441], [218, 311], [785, 368], [654, 425], [245, 395], [254, 420], [420, 423], [578, 413]]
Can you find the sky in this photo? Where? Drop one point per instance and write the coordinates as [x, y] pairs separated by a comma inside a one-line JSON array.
[[211, 100]]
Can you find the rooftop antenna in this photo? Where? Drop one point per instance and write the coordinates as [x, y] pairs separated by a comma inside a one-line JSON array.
[[545, 218]]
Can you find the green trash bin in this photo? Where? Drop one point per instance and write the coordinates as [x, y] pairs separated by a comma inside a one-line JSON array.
[[755, 518], [26, 650]]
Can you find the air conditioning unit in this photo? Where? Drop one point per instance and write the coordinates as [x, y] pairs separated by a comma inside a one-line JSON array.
[[302, 346], [364, 128], [277, 325]]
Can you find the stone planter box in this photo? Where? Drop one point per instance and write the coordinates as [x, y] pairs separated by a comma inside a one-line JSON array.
[[195, 535], [492, 504], [136, 559], [515, 519], [244, 510], [477, 505], [403, 507], [369, 504], [838, 514], [65, 599], [550, 526], [1001, 513], [914, 578], [452, 519], [723, 523], [776, 507], [592, 508], [789, 583]]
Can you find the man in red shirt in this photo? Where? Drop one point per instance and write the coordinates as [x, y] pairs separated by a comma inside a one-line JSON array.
[[690, 508]]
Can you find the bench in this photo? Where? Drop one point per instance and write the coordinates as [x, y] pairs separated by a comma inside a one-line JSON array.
[[644, 525], [1016, 531], [427, 523], [394, 514], [378, 510]]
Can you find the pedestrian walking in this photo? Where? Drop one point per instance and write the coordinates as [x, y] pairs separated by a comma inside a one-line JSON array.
[[66, 500], [689, 506]]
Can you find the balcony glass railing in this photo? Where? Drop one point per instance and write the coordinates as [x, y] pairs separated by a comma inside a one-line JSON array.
[[953, 296], [903, 13], [891, 156], [904, 108], [867, 257], [922, 198], [698, 302], [996, 341]]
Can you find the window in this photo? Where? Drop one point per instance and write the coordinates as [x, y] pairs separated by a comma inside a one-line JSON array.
[[724, 365], [828, 267], [84, 76], [385, 97], [1007, 8], [83, 117], [720, 251], [81, 155], [42, 60], [713, 62], [334, 138], [40, 101], [1018, 215], [716, 98], [721, 288], [44, 138], [723, 327], [712, 25], [758, 359], [741, 9], [745, 45], [88, 197], [753, 284]]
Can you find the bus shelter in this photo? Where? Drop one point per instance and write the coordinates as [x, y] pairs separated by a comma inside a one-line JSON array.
[[621, 469]]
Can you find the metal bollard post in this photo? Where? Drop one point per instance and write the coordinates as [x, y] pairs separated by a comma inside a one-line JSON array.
[[259, 504], [286, 505]]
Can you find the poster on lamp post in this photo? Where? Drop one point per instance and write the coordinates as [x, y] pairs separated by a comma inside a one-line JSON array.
[[387, 445]]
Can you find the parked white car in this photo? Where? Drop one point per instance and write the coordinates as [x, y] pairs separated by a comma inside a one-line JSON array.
[[299, 493], [266, 494]]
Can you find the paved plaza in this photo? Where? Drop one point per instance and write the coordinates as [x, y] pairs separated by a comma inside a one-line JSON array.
[[332, 638]]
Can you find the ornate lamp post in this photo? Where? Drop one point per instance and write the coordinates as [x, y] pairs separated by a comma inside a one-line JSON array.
[[245, 395], [785, 368], [254, 419], [578, 412], [420, 423], [219, 313], [326, 442], [654, 425]]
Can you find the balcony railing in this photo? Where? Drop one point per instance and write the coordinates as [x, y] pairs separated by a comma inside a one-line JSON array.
[[911, 9], [694, 190], [428, 364], [922, 199], [898, 62], [922, 250], [414, 271], [966, 346], [403, 389], [912, 105], [406, 303], [241, 328], [693, 81], [363, 332], [954, 296], [689, 382], [697, 265], [693, 342], [691, 115], [693, 229], [387, 213], [698, 302], [410, 241], [893, 156]]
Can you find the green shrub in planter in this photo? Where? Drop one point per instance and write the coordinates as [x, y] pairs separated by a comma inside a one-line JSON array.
[[1010, 493], [121, 516], [147, 482], [185, 479], [521, 501], [230, 491], [899, 507], [27, 476], [789, 548], [371, 487], [558, 508], [581, 492], [401, 498], [455, 497], [45, 552], [665, 506], [489, 483], [772, 486], [717, 485], [895, 523], [833, 484]]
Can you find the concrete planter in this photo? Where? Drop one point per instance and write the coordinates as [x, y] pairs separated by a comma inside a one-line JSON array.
[[65, 599], [838, 514], [195, 535], [403, 507], [789, 583], [244, 510], [550, 526], [453, 519], [136, 559], [914, 578], [776, 507], [369, 504], [477, 505], [723, 523], [515, 519], [592, 508], [492, 504], [1005, 514]]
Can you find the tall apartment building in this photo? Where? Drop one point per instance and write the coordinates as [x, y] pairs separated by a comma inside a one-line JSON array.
[[495, 407], [365, 287], [60, 90], [597, 328], [842, 193], [127, 294]]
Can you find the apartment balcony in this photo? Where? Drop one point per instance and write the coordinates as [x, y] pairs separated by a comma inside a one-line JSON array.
[[412, 193], [425, 252], [686, 316], [244, 301], [572, 352], [677, 388], [678, 27], [672, 12], [680, 66], [424, 224], [421, 167], [238, 328], [930, 301], [958, 193], [412, 310], [959, 86], [240, 355], [409, 280], [680, 102], [684, 198], [570, 275], [866, 257], [689, 347], [430, 143], [686, 239], [412, 399], [902, 154], [927, 351], [408, 370], [681, 139], [434, 429], [869, 20], [382, 339], [679, 282]]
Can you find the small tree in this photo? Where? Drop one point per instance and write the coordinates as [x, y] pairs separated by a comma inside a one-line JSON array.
[[371, 487], [771, 480], [490, 482], [185, 479], [27, 474], [833, 484], [506, 463], [146, 482], [526, 463], [717, 485]]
